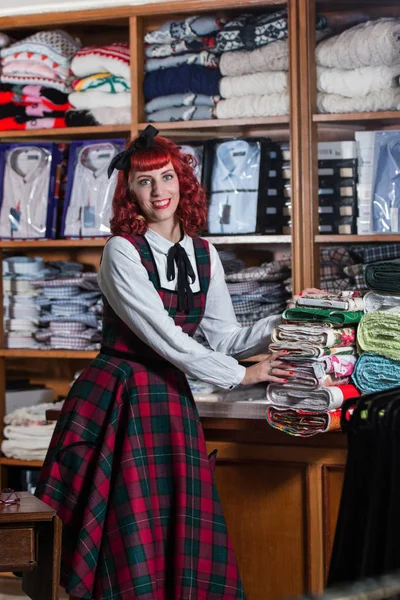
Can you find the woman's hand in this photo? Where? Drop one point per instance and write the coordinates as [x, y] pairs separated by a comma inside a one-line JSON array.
[[270, 369]]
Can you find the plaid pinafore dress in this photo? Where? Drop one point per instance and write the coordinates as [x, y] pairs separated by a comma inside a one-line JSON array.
[[128, 473]]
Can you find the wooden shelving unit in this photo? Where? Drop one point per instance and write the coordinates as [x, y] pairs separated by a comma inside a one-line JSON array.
[[67, 132], [357, 117], [357, 239]]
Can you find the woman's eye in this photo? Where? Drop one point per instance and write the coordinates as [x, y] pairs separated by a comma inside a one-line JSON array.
[[168, 177], [144, 181]]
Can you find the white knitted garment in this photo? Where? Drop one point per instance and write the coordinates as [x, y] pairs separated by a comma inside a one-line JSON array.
[[357, 82], [269, 105], [373, 43], [93, 99], [272, 57], [374, 102], [273, 82]]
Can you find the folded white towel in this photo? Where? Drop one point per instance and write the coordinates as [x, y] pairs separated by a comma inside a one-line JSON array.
[[272, 57], [374, 102], [31, 414], [23, 451], [35, 434], [253, 105], [357, 82], [273, 82], [373, 43]]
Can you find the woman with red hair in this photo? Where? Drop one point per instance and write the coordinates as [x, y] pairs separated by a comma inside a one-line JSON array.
[[127, 469]]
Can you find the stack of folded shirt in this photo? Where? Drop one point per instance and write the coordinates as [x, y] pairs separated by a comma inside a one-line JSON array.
[[379, 331], [358, 70], [333, 262], [318, 335], [259, 292], [27, 432], [102, 82], [21, 313], [70, 308], [36, 79], [254, 64], [182, 74]]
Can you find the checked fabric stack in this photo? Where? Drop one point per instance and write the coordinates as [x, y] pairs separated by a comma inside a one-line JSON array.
[[318, 335], [378, 368]]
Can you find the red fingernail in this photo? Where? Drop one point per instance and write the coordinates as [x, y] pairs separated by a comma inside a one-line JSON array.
[[284, 351], [291, 372], [292, 366], [301, 293], [285, 380]]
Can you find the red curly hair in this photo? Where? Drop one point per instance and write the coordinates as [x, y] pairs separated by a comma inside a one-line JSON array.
[[192, 209]]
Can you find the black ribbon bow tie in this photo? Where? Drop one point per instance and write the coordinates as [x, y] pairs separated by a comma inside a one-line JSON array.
[[178, 255], [122, 160]]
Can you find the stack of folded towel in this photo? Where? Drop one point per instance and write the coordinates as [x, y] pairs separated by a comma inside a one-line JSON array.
[[36, 79], [318, 336], [182, 74], [102, 82], [27, 433], [358, 70], [259, 292], [378, 368]]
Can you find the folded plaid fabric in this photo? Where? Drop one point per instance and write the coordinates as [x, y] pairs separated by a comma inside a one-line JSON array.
[[373, 301], [269, 310], [383, 276], [336, 255], [335, 317], [321, 399], [375, 373], [379, 333], [335, 285], [302, 423], [359, 282], [276, 270], [353, 270], [302, 350], [384, 252], [318, 335], [330, 271], [242, 287]]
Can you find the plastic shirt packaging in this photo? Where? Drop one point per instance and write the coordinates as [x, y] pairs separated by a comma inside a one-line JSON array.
[[197, 150], [237, 187], [28, 204], [386, 182], [89, 193]]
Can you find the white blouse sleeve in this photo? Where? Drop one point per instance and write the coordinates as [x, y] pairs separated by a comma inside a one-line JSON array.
[[220, 326], [125, 283]]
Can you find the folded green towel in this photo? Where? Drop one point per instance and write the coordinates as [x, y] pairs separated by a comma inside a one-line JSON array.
[[379, 333], [383, 276], [335, 317], [375, 373]]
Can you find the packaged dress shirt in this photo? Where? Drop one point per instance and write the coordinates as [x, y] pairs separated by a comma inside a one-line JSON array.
[[89, 193], [238, 187], [386, 182], [28, 203]]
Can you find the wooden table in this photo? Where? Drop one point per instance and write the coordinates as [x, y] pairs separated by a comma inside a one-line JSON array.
[[30, 541]]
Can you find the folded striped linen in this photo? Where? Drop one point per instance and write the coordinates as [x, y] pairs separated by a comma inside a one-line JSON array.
[[334, 317], [375, 373], [383, 276], [310, 375], [373, 301], [302, 423], [303, 350], [323, 398], [379, 333], [318, 335]]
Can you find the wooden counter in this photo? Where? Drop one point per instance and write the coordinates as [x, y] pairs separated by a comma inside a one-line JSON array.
[[280, 496]]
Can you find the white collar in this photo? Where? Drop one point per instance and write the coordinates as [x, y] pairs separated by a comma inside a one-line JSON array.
[[100, 145], [162, 245], [44, 158]]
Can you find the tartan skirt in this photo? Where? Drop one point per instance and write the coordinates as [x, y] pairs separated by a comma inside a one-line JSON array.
[[128, 473]]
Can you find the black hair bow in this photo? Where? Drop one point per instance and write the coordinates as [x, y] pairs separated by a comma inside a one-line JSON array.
[[121, 161], [177, 254]]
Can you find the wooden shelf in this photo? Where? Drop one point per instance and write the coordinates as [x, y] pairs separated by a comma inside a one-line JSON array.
[[28, 353], [92, 131], [218, 123], [14, 462], [353, 117], [249, 239], [357, 239]]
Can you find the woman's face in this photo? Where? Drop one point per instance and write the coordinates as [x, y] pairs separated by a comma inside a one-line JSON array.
[[157, 193]]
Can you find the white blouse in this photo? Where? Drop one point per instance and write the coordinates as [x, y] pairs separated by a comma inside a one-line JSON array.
[[125, 283]]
